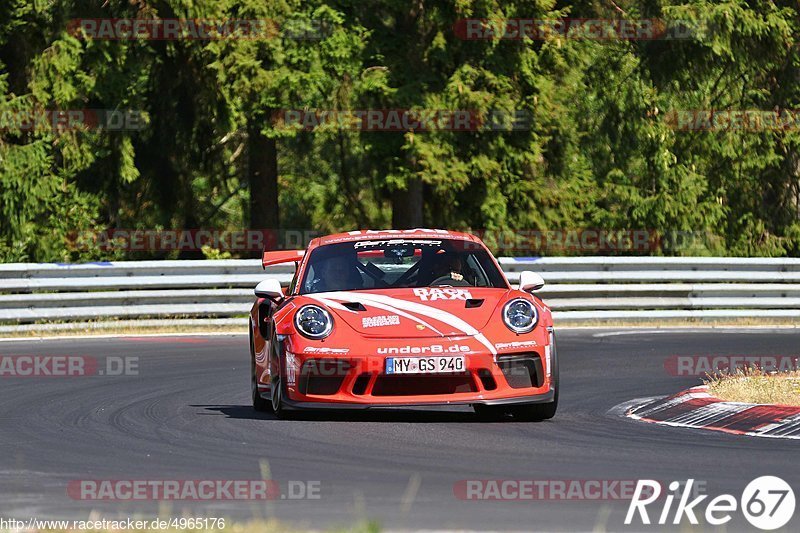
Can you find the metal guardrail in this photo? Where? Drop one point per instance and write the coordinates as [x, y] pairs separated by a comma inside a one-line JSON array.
[[579, 288]]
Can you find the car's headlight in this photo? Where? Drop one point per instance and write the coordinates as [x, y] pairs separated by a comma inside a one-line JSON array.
[[520, 316], [313, 321]]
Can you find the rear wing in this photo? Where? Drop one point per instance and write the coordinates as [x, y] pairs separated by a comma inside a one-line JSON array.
[[282, 256]]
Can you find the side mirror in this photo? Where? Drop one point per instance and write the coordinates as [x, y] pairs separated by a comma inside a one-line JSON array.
[[269, 288], [530, 281]]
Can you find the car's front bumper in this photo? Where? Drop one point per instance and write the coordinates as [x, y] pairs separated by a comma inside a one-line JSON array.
[[519, 400], [360, 382]]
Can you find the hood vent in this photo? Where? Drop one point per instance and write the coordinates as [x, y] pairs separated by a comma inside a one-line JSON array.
[[473, 302], [354, 306]]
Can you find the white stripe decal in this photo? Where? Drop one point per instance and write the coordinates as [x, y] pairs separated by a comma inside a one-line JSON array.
[[430, 312], [385, 307], [407, 315]]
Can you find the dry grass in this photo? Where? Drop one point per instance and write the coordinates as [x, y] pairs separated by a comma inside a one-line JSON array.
[[757, 386]]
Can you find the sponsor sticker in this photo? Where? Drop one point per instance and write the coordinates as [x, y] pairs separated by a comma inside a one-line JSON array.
[[419, 350], [395, 242], [515, 344], [325, 350], [430, 295], [380, 321]]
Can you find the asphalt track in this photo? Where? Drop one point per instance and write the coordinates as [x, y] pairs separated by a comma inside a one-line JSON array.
[[186, 415]]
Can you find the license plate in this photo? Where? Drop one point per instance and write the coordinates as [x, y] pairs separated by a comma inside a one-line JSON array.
[[425, 365]]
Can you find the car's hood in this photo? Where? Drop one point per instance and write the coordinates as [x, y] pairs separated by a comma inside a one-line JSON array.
[[414, 313]]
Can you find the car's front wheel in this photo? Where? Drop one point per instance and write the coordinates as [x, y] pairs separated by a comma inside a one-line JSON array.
[[278, 405], [259, 404], [542, 411], [533, 412], [489, 413], [276, 388]]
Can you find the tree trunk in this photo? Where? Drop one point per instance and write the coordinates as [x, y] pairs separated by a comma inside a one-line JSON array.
[[262, 175], [407, 206]]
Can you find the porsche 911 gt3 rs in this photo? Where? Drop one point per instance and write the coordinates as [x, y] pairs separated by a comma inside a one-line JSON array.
[[398, 318]]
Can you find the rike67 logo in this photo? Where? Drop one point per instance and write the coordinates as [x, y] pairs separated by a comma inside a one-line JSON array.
[[767, 503]]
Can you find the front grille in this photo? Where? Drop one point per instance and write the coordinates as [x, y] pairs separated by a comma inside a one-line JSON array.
[[522, 370], [361, 383], [322, 377], [421, 385], [487, 380]]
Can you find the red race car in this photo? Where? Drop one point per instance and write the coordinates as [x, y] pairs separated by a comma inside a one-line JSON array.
[[401, 318]]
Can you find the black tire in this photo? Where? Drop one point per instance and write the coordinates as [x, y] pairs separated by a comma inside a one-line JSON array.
[[259, 404], [277, 405], [536, 412], [489, 413], [276, 391]]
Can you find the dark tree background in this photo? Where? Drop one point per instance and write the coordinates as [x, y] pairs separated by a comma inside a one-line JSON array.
[[601, 149]]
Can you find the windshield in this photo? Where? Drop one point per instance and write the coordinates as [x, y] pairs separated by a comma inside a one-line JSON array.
[[400, 263]]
